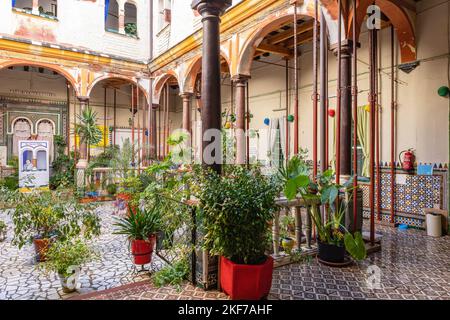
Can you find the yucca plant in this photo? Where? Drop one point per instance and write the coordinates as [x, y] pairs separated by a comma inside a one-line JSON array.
[[139, 224], [88, 130]]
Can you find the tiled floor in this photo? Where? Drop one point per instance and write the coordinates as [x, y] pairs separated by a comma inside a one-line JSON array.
[[411, 266], [21, 279]]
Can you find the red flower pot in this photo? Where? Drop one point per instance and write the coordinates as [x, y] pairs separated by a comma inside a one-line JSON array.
[[246, 282], [142, 250]]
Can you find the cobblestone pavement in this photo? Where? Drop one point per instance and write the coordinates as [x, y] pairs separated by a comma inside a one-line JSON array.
[[20, 277], [412, 265]]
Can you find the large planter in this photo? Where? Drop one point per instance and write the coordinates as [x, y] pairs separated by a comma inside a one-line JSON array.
[[41, 247], [142, 250], [331, 253], [246, 282]]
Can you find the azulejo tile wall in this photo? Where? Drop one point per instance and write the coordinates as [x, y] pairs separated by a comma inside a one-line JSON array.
[[413, 193]]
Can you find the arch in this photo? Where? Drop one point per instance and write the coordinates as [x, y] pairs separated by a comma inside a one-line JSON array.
[[194, 67], [262, 29], [13, 123], [159, 83], [399, 19], [116, 76], [52, 67], [46, 119]]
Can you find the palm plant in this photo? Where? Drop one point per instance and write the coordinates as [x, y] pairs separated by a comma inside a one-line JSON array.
[[88, 130]]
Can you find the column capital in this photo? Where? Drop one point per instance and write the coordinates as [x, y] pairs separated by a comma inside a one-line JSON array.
[[83, 99], [186, 95], [346, 47], [210, 7], [240, 78]]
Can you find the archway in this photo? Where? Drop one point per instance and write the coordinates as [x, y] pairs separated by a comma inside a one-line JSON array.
[[121, 105], [399, 19], [35, 92], [170, 111]]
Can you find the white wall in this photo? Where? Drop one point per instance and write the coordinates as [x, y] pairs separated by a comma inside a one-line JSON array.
[[79, 24], [184, 23]]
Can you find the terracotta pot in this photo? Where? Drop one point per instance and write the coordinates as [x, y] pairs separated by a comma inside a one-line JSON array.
[[331, 253], [41, 247], [246, 282], [142, 250]]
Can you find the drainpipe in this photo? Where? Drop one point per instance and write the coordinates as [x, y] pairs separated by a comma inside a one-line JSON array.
[[152, 111]]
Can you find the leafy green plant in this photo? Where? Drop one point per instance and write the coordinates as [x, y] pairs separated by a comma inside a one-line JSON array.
[[63, 173], [122, 159], [322, 191], [172, 275], [64, 255], [236, 210], [111, 189], [131, 29], [87, 129], [139, 224], [287, 223], [47, 214], [11, 182]]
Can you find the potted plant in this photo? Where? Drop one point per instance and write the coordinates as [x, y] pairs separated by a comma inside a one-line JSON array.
[[66, 258], [111, 189], [3, 230], [287, 228], [140, 226], [333, 238], [41, 217], [236, 210]]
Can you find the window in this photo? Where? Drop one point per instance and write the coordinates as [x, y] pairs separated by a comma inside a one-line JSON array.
[[164, 13], [111, 15], [47, 8], [26, 5], [130, 19]]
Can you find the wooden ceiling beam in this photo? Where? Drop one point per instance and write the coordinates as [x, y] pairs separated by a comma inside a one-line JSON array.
[[279, 50], [307, 26], [304, 38]]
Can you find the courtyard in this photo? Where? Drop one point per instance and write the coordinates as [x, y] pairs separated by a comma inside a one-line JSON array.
[[224, 150]]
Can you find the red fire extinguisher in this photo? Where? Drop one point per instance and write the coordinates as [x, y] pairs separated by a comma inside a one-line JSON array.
[[408, 159]]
